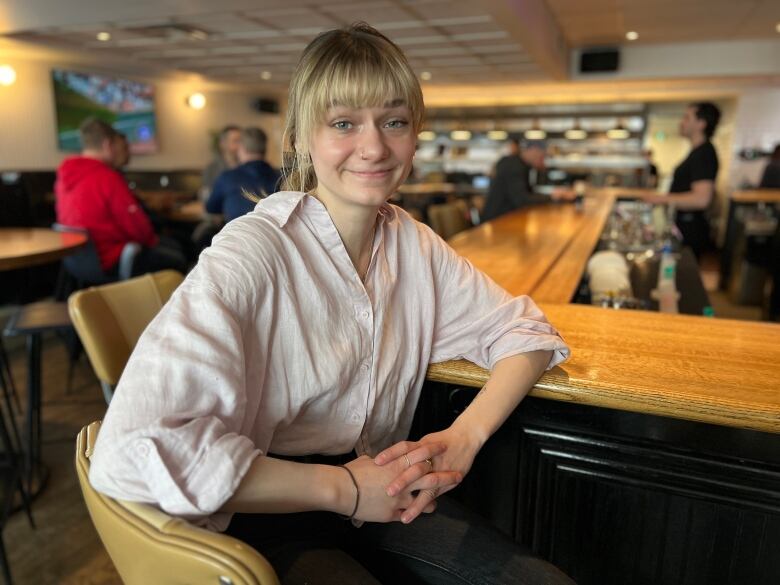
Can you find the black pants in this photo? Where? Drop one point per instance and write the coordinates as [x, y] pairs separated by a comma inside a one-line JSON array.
[[695, 230], [452, 546]]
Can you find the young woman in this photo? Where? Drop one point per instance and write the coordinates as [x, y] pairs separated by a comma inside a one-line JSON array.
[[282, 376]]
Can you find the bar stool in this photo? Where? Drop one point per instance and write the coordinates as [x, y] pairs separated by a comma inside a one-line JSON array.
[[33, 321]]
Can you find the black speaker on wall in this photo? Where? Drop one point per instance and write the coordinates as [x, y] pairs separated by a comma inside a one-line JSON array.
[[599, 60], [266, 105]]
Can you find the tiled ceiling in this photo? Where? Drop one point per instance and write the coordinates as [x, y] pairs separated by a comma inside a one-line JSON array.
[[455, 41], [598, 22]]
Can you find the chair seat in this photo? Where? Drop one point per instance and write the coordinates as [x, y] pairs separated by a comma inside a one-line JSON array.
[[38, 318]]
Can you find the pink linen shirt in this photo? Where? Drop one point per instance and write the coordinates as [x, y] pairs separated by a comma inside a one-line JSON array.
[[274, 344]]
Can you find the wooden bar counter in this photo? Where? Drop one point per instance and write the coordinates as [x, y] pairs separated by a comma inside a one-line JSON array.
[[652, 455], [695, 368]]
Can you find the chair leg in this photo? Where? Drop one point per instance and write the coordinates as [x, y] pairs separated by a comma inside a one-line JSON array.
[[74, 348], [5, 372], [108, 391], [4, 562], [15, 462], [9, 408], [33, 406]]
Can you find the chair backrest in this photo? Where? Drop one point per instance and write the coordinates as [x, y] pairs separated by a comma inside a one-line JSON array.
[[447, 219], [110, 318], [147, 545], [84, 264]]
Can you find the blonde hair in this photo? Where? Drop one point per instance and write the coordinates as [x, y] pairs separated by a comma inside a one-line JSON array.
[[356, 67]]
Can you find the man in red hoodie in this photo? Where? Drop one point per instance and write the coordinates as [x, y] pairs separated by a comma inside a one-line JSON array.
[[91, 194]]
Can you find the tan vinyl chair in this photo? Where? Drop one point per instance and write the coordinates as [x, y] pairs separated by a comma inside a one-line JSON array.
[[447, 219], [148, 546], [110, 318]]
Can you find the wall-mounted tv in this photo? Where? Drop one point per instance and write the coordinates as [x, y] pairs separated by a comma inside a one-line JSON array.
[[127, 105]]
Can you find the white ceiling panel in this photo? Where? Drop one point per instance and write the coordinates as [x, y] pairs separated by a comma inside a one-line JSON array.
[[454, 40]]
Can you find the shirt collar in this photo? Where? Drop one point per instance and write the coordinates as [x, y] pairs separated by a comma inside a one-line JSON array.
[[280, 206]]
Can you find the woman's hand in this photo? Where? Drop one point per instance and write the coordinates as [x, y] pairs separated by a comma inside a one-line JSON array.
[[376, 503], [413, 465]]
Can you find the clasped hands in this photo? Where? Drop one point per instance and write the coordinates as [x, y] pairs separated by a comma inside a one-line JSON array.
[[404, 480]]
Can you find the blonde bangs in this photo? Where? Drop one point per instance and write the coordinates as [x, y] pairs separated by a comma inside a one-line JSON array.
[[357, 67]]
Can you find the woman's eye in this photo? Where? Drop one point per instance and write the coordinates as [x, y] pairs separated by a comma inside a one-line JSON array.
[[397, 123], [342, 125]]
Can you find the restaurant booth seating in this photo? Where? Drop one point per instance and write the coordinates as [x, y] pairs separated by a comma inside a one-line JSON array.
[[147, 545]]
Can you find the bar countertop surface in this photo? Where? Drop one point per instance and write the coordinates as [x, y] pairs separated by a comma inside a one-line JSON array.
[[717, 371]]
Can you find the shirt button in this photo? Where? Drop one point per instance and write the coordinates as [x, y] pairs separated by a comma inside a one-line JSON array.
[[142, 450], [364, 314], [364, 366], [355, 417]]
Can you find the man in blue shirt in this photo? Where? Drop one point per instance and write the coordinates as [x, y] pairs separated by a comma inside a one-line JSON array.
[[236, 191]]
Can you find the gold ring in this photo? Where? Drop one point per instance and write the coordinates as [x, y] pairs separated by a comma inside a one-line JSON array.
[[429, 461], [433, 492], [406, 458]]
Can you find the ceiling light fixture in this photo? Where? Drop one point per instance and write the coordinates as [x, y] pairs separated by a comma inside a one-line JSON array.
[[619, 132], [497, 135], [535, 133], [103, 36], [198, 34], [632, 35], [265, 75], [460, 135], [426, 75], [575, 132], [7, 75], [197, 101], [427, 135]]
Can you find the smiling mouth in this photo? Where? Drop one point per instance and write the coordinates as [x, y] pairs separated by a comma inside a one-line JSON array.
[[371, 174]]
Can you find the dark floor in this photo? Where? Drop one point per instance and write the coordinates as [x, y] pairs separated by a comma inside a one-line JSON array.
[[64, 548]]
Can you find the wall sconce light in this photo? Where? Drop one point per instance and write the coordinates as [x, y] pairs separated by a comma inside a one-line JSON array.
[[196, 101], [427, 135], [497, 135], [7, 75]]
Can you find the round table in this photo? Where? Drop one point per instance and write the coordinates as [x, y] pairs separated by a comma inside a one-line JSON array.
[[23, 247]]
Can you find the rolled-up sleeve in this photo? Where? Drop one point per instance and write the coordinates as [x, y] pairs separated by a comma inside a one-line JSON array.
[[172, 435], [479, 321]]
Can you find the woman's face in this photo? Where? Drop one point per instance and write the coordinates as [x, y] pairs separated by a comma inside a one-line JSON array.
[[362, 155]]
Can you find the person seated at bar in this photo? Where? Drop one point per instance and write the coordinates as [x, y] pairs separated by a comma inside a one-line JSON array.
[[273, 394], [225, 158], [91, 194], [510, 187], [770, 179], [693, 183], [236, 191], [650, 173]]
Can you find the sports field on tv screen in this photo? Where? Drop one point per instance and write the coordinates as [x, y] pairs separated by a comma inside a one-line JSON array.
[[127, 105]]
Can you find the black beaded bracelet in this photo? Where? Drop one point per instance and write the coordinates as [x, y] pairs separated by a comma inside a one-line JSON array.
[[357, 491]]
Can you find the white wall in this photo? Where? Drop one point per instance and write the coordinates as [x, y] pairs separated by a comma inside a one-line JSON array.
[[27, 119], [756, 125], [699, 59]]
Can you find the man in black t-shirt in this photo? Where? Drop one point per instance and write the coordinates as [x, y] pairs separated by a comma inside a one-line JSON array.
[[693, 185]]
